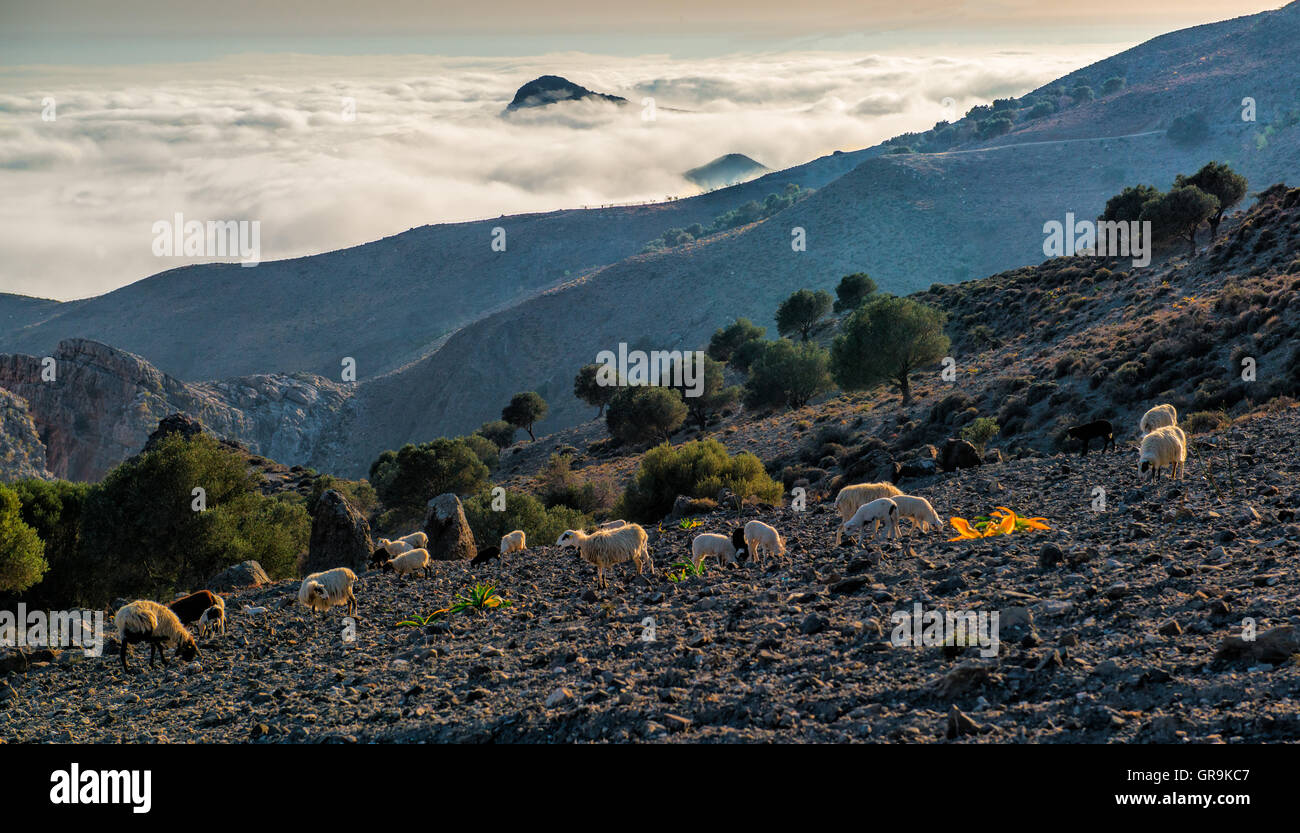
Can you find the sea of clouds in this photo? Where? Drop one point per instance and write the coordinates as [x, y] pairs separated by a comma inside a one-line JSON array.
[[266, 138]]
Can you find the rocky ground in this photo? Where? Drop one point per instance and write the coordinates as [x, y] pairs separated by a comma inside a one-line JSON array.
[[1115, 626]]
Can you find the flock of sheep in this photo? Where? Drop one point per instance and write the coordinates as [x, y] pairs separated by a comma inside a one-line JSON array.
[[882, 505]]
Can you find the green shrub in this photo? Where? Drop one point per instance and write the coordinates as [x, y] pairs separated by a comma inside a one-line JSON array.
[[696, 469], [141, 534], [359, 493], [53, 508], [22, 553], [1202, 421], [559, 485], [788, 374], [644, 413], [499, 432], [541, 526], [409, 478], [980, 432]]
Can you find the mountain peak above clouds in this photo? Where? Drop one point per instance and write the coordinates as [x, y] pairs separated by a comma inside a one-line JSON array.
[[549, 89]]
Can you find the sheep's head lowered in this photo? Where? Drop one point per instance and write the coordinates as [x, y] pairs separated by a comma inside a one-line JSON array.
[[186, 648]]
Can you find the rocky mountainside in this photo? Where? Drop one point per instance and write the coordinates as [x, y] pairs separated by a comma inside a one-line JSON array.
[[104, 403], [1116, 626]]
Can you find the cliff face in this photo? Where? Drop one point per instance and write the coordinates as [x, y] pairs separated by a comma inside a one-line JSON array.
[[103, 403], [21, 453]]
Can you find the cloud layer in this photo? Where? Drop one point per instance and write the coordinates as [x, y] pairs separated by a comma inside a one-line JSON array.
[[266, 138]]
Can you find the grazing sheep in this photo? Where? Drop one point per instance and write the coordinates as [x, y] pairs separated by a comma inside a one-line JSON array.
[[919, 511], [759, 536], [485, 555], [254, 611], [1163, 448], [710, 543], [189, 608], [409, 563], [212, 621], [1158, 417], [394, 548], [852, 497], [738, 541], [879, 511], [146, 621], [379, 558], [513, 542], [321, 591], [606, 547], [1092, 430]]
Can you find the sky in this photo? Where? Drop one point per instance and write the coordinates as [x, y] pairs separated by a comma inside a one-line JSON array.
[[115, 116]]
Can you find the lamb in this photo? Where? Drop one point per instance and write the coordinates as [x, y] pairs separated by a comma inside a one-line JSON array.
[[1164, 447], [1092, 430], [1158, 417], [513, 542], [212, 621], [189, 608], [321, 591], [879, 511], [146, 621], [711, 543], [852, 497], [394, 548], [919, 511], [485, 555], [409, 562], [606, 547], [759, 536]]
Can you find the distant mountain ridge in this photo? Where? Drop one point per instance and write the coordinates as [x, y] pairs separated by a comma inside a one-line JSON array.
[[444, 330], [726, 170]]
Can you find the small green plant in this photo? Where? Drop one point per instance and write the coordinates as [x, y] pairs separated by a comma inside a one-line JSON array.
[[979, 432], [680, 570], [482, 596], [689, 523], [415, 620]]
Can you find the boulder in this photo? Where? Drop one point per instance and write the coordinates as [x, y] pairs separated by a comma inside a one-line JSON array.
[[243, 574], [183, 424], [959, 454], [450, 538], [340, 535]]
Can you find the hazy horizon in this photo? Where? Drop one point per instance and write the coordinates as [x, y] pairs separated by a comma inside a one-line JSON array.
[[225, 127]]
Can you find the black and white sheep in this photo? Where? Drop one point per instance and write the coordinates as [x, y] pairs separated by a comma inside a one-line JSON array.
[[212, 621], [860, 494], [879, 511], [146, 621], [711, 543]]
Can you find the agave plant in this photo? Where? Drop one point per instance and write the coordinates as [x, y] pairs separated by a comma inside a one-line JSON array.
[[482, 596], [680, 570], [689, 523], [1001, 521]]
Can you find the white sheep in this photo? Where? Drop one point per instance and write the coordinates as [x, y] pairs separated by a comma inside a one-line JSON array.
[[1163, 448], [613, 524], [409, 563], [212, 621], [606, 547], [321, 591], [513, 542], [146, 621], [710, 543], [759, 536], [919, 511], [852, 497], [394, 548], [879, 511], [1158, 417]]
